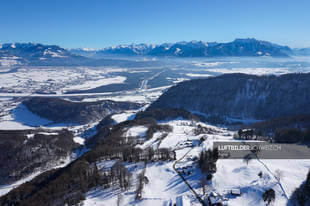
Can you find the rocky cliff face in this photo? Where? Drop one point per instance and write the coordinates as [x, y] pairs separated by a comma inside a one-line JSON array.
[[241, 95], [59, 110]]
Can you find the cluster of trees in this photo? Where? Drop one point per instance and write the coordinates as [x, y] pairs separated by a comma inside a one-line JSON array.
[[285, 129], [251, 134], [142, 180], [161, 154], [60, 110], [157, 128], [302, 194], [203, 130], [21, 155], [110, 143], [269, 196], [56, 187], [280, 135], [292, 135], [216, 119], [131, 154], [271, 125], [246, 133], [118, 176], [166, 113], [207, 162], [136, 154], [69, 184]]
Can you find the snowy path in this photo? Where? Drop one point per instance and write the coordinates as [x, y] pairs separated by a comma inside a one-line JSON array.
[[277, 179], [184, 180]]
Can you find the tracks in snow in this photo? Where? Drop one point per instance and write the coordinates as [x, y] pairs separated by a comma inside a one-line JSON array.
[[184, 180], [267, 168]]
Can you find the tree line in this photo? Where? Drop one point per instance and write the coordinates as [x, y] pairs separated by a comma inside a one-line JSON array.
[[68, 185]]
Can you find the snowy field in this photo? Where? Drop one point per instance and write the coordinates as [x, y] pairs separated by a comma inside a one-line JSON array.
[[57, 79]]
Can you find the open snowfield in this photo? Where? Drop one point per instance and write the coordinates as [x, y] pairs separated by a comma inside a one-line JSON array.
[[57, 79], [123, 116], [138, 131], [90, 84], [164, 185]]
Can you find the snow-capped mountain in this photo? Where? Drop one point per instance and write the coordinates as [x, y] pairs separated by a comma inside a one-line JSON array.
[[35, 54], [87, 52], [239, 47], [124, 49], [302, 51], [48, 55], [132, 49]]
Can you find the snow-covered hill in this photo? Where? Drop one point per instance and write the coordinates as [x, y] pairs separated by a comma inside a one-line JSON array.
[[165, 185], [241, 96], [169, 181]]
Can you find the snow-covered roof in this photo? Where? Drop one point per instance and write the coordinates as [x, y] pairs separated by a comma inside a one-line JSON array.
[[235, 191], [215, 200]]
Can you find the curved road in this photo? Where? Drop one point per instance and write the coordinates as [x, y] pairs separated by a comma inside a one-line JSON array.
[[185, 181]]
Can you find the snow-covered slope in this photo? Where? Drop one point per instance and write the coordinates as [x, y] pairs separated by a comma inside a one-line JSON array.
[[241, 95], [165, 185]]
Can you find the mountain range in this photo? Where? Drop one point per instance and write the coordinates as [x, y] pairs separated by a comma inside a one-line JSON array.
[[40, 54], [36, 54], [238, 47], [302, 52]]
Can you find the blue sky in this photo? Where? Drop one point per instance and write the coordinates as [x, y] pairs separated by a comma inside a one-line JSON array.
[[101, 23]]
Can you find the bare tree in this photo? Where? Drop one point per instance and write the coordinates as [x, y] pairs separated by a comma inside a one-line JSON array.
[[139, 187], [119, 200], [278, 174], [142, 179], [247, 158], [203, 183], [269, 196], [260, 174]]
